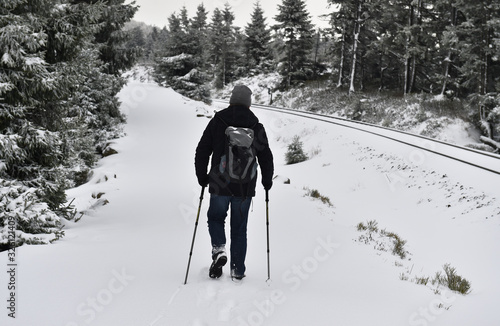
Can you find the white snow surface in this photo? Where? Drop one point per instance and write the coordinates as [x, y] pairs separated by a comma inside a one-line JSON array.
[[124, 263]]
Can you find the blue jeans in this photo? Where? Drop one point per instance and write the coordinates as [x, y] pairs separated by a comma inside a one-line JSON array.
[[217, 213]]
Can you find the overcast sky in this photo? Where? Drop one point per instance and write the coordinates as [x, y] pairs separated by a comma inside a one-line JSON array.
[[156, 12]]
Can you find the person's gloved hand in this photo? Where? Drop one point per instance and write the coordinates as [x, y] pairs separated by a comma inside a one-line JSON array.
[[267, 184], [203, 181]]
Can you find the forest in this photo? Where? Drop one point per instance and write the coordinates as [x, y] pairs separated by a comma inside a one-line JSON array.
[[60, 70], [62, 65], [444, 48]]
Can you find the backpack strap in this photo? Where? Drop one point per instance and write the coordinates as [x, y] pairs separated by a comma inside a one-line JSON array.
[[223, 121]]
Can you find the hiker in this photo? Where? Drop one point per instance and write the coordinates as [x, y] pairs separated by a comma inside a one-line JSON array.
[[226, 191]]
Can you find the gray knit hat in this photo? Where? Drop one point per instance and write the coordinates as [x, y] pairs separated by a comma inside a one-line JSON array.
[[241, 95]]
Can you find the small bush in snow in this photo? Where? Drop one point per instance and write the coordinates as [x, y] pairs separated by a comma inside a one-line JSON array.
[[423, 280], [403, 277], [315, 194], [396, 245], [371, 227], [451, 280], [295, 153]]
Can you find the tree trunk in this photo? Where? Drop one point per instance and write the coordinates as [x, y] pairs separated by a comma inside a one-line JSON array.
[[362, 77], [418, 14], [410, 63], [382, 70], [316, 50], [416, 19], [448, 60], [408, 56], [342, 57], [357, 29], [224, 73], [491, 142], [289, 75]]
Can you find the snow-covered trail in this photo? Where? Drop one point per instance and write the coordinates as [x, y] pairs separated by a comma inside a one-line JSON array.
[[124, 263], [111, 267]]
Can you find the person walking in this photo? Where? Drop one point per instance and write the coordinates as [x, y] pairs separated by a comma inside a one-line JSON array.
[[224, 192]]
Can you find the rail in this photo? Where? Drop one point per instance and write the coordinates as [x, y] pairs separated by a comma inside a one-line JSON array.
[[480, 159]]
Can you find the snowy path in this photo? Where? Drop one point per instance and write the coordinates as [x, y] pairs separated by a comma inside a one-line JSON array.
[[124, 263]]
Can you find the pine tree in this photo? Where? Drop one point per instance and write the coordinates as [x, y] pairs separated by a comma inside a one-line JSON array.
[[295, 153], [295, 25], [257, 40], [478, 48], [180, 66], [55, 98], [216, 39], [111, 38], [199, 22], [176, 43], [224, 48], [446, 25], [340, 23], [155, 43], [353, 22], [476, 33], [199, 35], [381, 53]]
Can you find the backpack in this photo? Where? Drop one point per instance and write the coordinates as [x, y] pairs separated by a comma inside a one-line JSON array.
[[238, 164]]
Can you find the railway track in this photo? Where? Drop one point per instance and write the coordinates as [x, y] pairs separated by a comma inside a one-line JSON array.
[[479, 159]]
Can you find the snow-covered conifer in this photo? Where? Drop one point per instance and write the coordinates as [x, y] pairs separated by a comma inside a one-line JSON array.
[[294, 22], [258, 37]]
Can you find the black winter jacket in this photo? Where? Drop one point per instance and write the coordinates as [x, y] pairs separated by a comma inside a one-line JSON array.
[[212, 143]]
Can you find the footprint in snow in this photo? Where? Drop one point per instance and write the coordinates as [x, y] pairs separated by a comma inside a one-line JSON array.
[[207, 294], [225, 311]]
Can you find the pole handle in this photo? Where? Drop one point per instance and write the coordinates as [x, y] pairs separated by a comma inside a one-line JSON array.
[[202, 192]]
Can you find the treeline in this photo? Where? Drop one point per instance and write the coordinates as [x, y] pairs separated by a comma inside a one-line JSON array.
[[441, 47], [60, 71], [196, 53]]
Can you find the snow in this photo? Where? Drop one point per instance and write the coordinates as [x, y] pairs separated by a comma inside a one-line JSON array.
[[7, 59], [259, 84], [410, 118], [5, 87], [33, 61], [124, 262], [179, 57]]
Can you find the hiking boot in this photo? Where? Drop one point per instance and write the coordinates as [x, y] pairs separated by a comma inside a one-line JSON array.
[[219, 260], [236, 276]]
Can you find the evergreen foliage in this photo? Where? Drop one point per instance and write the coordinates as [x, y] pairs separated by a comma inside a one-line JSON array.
[[257, 42], [225, 54], [180, 65], [294, 24], [199, 34], [295, 153], [57, 104], [443, 47], [111, 38]]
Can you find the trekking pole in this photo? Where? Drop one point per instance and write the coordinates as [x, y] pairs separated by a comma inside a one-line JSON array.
[[267, 227], [194, 234]]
